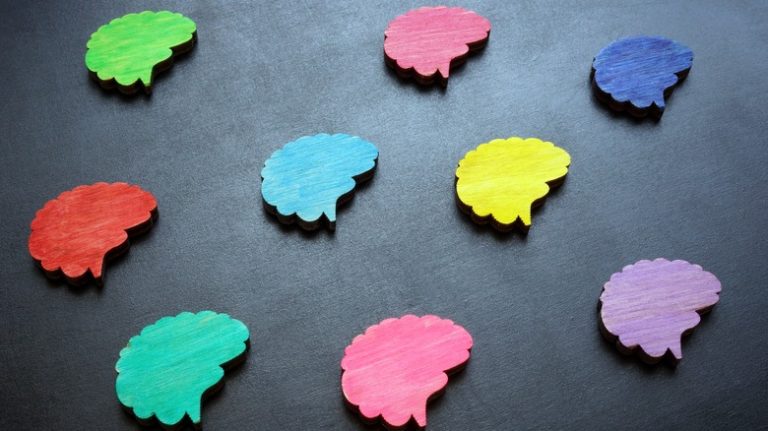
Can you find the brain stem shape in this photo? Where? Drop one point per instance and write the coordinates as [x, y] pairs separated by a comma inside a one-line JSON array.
[[393, 369], [429, 39], [309, 176], [167, 369], [504, 178], [129, 48], [77, 230], [651, 304], [639, 70]]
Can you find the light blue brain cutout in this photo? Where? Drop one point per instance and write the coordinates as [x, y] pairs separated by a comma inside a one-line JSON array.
[[306, 179], [637, 73], [166, 370]]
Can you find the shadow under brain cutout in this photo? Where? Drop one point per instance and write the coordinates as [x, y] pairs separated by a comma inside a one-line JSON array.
[[166, 370], [309, 177], [75, 233], [394, 368], [635, 74], [650, 305]]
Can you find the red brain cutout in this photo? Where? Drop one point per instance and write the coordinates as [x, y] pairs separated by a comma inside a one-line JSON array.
[[429, 40], [394, 368], [75, 232]]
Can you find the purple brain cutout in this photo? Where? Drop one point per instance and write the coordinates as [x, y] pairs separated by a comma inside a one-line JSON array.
[[651, 304]]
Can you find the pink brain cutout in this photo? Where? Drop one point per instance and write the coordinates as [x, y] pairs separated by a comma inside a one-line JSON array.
[[651, 304], [428, 39], [393, 369]]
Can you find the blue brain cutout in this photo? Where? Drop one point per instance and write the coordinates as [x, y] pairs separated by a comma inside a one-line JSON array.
[[306, 179], [636, 73]]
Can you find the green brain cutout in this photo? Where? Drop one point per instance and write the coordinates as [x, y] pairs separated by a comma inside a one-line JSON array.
[[165, 371], [130, 49]]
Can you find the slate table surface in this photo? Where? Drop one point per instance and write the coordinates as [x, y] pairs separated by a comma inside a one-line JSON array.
[[691, 186]]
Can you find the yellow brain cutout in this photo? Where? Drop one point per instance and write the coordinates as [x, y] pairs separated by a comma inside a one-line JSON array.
[[504, 178]]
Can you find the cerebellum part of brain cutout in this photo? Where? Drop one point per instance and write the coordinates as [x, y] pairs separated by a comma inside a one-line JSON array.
[[393, 369], [636, 73], [166, 370], [650, 305], [130, 50], [502, 180], [74, 233], [308, 177], [426, 42]]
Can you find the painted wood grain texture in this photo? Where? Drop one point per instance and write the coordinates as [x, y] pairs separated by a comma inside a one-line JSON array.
[[166, 370], [392, 370], [306, 179], [650, 305], [130, 50], [426, 42], [502, 180], [73, 234], [637, 73]]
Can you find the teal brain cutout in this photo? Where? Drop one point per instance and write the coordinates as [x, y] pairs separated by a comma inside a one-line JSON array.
[[165, 370], [128, 48], [308, 176]]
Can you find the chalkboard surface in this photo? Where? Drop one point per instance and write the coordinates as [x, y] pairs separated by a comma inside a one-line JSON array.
[[691, 186]]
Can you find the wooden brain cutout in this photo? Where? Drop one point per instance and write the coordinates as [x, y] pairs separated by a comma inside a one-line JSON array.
[[426, 42], [74, 233], [167, 370], [636, 74], [650, 305], [393, 369], [130, 50], [502, 180], [308, 178]]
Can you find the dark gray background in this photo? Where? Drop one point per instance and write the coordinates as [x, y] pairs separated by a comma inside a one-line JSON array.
[[691, 186]]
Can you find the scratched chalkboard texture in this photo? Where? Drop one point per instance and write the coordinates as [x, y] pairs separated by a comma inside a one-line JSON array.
[[690, 186]]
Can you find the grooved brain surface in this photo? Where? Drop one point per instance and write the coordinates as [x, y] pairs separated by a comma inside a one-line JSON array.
[[428, 39], [638, 70], [651, 304], [503, 178], [393, 369], [164, 371], [74, 232], [307, 177], [128, 48]]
